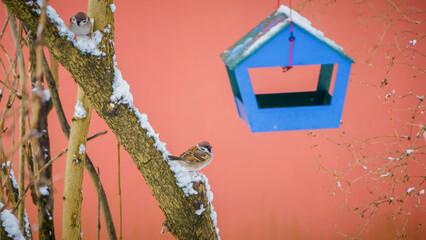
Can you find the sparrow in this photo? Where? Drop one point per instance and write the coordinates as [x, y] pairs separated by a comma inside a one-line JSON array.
[[196, 157], [80, 24]]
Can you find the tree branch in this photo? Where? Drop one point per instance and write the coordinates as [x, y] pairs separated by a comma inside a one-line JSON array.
[[95, 75], [88, 163]]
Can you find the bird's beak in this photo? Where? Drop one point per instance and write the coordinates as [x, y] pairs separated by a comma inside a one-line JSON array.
[[78, 22]]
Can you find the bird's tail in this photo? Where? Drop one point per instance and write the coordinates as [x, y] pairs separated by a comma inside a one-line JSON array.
[[174, 158]]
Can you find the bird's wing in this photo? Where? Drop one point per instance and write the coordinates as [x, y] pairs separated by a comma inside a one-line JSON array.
[[174, 158], [198, 156], [194, 154]]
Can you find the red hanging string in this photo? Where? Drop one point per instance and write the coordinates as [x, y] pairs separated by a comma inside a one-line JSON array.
[[290, 61]]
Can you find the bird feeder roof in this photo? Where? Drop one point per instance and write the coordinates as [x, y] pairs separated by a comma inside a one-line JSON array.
[[266, 30]]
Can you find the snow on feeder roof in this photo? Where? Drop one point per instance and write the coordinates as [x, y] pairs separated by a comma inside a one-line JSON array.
[[268, 45], [266, 30]]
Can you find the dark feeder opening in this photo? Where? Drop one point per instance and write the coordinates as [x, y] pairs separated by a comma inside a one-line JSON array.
[[321, 96]]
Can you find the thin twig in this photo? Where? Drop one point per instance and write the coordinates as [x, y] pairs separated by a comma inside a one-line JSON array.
[[119, 189], [99, 207], [50, 162]]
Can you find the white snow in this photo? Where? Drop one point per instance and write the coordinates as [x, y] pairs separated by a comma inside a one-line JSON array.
[[112, 6], [209, 194], [82, 149], [410, 189], [413, 42], [409, 151], [365, 167], [338, 184], [79, 111], [201, 210], [44, 190], [421, 192], [121, 89], [10, 224], [90, 44], [385, 175], [107, 30], [306, 24], [60, 24], [11, 175], [27, 225], [47, 95], [184, 178], [297, 19]]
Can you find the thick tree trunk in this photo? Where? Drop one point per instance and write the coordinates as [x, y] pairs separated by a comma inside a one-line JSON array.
[[95, 75]]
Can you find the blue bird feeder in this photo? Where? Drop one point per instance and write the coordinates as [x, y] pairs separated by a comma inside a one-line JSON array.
[[269, 45]]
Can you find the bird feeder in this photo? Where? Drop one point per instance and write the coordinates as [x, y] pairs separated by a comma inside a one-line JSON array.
[[277, 42]]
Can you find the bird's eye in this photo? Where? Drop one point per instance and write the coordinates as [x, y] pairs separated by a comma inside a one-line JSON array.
[[84, 21], [206, 149]]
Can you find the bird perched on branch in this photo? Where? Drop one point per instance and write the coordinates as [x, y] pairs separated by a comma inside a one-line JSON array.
[[196, 157], [80, 24]]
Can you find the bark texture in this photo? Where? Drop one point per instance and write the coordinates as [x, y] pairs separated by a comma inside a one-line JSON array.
[[42, 190], [76, 158], [95, 76], [109, 224]]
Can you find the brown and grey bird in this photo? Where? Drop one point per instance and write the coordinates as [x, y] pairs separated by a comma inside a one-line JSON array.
[[196, 157], [80, 24]]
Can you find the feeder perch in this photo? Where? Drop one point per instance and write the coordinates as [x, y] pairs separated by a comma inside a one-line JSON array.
[[268, 45]]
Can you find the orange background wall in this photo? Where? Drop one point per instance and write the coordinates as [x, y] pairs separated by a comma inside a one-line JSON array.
[[265, 185]]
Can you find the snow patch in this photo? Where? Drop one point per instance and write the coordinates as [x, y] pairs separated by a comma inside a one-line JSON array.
[[10, 224], [79, 111], [47, 95], [409, 151], [90, 44], [410, 189], [82, 149], [27, 225], [11, 175], [201, 210], [113, 7], [44, 190], [385, 175]]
